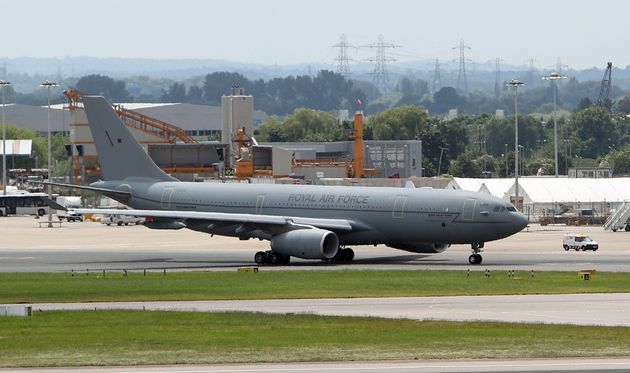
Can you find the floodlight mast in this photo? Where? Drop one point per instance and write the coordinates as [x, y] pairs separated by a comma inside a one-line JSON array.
[[553, 77], [48, 85], [4, 83], [515, 83]]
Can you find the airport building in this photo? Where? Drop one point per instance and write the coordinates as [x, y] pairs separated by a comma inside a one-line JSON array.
[[197, 121]]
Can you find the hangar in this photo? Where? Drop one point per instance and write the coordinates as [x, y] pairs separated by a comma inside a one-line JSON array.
[[196, 120]]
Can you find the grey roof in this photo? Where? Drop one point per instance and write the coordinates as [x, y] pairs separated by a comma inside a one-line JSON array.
[[189, 117], [192, 117], [36, 117]]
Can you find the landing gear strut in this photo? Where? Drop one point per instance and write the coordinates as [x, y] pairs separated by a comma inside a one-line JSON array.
[[476, 248], [271, 257], [343, 255]]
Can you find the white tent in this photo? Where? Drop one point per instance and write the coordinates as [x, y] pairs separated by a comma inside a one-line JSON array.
[[495, 187], [542, 194]]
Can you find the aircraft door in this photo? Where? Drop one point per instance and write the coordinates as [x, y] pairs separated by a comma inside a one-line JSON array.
[[259, 203], [468, 212], [167, 194], [399, 207]]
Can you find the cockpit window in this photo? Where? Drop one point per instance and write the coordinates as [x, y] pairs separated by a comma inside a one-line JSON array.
[[496, 209], [511, 209]]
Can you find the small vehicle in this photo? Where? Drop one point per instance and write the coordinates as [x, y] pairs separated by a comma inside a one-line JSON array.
[[120, 220], [69, 215], [579, 242]]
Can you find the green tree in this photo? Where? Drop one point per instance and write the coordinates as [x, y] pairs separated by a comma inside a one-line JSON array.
[[445, 99], [218, 84], [176, 93], [402, 123], [113, 90], [466, 165], [623, 105], [593, 131], [303, 125]]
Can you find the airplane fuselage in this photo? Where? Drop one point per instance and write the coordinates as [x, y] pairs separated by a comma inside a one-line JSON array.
[[380, 215]]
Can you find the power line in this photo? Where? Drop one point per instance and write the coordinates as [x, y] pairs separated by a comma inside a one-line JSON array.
[[437, 80], [343, 65], [497, 77], [462, 65], [380, 73]]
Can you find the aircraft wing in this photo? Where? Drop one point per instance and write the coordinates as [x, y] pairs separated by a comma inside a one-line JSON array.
[[236, 218]]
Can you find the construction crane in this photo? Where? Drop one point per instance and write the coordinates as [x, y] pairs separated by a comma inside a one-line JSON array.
[[604, 92]]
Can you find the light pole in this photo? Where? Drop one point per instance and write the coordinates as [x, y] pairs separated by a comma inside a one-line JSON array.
[[522, 156], [553, 77], [506, 157], [4, 83], [515, 83], [567, 151], [440, 162], [48, 85]]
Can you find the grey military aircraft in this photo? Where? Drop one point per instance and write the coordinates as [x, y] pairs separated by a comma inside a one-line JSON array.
[[303, 221]]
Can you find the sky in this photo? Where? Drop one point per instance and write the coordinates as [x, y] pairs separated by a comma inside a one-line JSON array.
[[582, 34]]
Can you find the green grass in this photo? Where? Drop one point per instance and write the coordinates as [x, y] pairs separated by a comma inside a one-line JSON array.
[[137, 337], [62, 287]]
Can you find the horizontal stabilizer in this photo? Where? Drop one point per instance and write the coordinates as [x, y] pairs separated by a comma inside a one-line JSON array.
[[115, 194]]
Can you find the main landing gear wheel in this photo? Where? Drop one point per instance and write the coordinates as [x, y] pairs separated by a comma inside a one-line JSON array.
[[343, 255], [271, 257], [260, 257], [475, 259], [476, 248]]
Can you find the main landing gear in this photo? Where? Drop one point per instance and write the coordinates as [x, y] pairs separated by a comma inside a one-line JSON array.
[[343, 255], [271, 257], [476, 248]]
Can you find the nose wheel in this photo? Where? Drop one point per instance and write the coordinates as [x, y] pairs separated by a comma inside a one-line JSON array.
[[476, 248], [475, 259]]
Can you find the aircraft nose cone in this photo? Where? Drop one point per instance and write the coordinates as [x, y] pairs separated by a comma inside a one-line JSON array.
[[520, 222]]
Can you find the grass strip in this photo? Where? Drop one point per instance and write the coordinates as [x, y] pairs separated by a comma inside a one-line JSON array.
[[145, 337], [62, 287]]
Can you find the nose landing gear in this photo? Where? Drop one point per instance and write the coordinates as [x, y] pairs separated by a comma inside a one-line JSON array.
[[476, 248]]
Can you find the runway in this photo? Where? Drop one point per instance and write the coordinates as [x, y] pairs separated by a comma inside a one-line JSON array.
[[27, 248], [598, 365]]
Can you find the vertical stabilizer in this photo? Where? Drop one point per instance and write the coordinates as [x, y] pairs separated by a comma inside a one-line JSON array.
[[119, 154]]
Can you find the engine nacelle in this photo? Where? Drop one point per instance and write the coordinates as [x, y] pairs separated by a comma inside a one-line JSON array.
[[420, 247], [306, 243]]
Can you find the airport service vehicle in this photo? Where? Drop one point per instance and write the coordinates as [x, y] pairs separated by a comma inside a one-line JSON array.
[[304, 221], [69, 215], [579, 242], [119, 219], [70, 203]]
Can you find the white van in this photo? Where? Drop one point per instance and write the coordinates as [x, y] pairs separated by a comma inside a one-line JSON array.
[[579, 242]]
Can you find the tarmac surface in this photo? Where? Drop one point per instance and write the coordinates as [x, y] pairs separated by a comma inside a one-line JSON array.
[[25, 247], [593, 365], [576, 309]]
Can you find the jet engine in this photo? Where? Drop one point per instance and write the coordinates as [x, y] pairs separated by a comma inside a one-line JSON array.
[[306, 243], [420, 247]]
